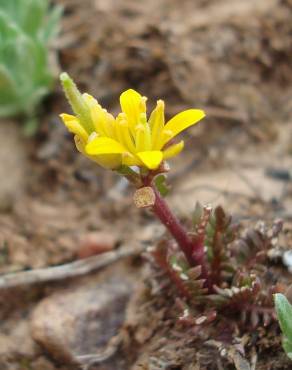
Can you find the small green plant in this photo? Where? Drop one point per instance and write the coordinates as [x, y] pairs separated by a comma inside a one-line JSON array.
[[26, 28], [284, 314], [211, 270]]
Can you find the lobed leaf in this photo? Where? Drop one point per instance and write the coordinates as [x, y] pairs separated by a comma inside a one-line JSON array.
[[160, 182]]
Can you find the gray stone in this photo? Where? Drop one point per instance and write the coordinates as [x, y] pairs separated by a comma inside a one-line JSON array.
[[80, 321]]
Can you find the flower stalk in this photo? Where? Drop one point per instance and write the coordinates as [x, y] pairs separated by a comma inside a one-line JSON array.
[[133, 139], [193, 251]]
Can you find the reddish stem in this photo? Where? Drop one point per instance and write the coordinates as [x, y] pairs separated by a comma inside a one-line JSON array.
[[173, 225], [193, 250]]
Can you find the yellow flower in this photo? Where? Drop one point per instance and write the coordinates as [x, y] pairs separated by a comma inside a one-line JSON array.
[[131, 138]]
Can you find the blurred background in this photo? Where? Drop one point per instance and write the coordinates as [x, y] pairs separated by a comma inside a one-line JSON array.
[[231, 58]]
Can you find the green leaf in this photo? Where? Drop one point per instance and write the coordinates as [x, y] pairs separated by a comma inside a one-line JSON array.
[[130, 174], [52, 26], [287, 345], [284, 313], [74, 96], [25, 76], [126, 171], [160, 183]]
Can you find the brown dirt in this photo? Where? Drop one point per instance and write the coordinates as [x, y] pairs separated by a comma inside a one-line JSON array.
[[231, 58]]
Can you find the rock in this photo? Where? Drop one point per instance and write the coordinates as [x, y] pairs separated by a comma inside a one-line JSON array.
[[223, 186], [43, 364], [97, 242], [17, 342], [13, 164], [80, 320], [287, 260]]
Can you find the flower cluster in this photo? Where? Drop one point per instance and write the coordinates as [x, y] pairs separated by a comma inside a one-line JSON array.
[[130, 139]]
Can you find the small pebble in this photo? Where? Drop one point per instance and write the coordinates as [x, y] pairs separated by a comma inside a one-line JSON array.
[[287, 260]]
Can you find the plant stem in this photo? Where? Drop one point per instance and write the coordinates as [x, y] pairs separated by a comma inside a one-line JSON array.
[[163, 212], [193, 251]]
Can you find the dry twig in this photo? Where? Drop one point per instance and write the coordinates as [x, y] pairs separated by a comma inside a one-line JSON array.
[[68, 270]]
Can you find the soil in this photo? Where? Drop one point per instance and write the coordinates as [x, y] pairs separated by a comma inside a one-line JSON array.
[[229, 57]]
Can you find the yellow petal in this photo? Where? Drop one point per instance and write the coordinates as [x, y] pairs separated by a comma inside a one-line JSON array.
[[104, 145], [79, 144], [173, 150], [131, 160], [110, 161], [156, 122], [89, 100], [151, 159], [142, 138], [182, 121], [73, 126], [96, 113], [110, 123], [132, 104], [163, 138], [67, 118], [101, 119], [122, 133]]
